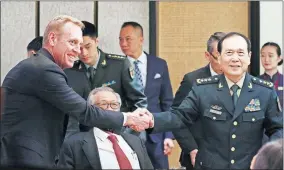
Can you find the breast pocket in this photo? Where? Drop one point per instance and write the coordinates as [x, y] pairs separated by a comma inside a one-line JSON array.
[[253, 120], [218, 116]]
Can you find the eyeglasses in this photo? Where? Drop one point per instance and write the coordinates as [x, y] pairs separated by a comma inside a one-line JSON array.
[[215, 57], [104, 105]]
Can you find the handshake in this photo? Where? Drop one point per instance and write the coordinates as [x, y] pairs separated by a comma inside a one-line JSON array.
[[139, 120]]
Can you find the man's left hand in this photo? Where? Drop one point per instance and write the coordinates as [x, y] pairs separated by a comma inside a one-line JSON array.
[[168, 146]]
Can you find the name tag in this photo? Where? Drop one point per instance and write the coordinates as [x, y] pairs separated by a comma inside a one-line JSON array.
[[215, 111], [280, 88]]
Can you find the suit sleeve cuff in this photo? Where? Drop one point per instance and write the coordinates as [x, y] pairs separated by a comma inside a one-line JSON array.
[[124, 118]]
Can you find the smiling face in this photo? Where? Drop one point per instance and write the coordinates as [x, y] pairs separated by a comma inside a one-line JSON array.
[[235, 57], [66, 44]]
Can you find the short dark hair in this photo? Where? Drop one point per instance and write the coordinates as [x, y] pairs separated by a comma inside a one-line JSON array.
[[90, 29], [35, 44], [270, 156], [133, 24], [278, 49], [214, 38], [231, 34]]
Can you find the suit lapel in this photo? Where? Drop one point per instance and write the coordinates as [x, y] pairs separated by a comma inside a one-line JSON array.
[[134, 146], [224, 95], [245, 96], [150, 72], [100, 70], [91, 150]]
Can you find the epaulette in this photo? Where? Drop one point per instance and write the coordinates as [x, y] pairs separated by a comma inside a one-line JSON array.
[[262, 82], [116, 57], [209, 80]]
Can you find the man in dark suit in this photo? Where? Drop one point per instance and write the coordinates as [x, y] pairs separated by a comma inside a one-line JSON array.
[[234, 108], [37, 97], [95, 150], [153, 74], [187, 159], [109, 70]]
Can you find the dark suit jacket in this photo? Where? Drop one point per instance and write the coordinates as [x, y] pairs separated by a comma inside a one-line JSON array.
[[194, 131], [159, 91], [80, 151], [37, 97], [112, 71], [231, 137]]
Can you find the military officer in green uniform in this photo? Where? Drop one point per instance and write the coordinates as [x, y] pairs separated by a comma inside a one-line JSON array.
[[96, 69], [234, 109]]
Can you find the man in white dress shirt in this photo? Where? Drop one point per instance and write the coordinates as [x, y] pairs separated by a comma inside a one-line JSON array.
[[104, 148]]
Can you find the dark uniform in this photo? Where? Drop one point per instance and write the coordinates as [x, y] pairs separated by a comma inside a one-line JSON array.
[[277, 80], [113, 71], [231, 136]]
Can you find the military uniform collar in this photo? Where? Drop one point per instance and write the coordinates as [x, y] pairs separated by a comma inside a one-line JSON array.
[[273, 78], [96, 64], [240, 83]]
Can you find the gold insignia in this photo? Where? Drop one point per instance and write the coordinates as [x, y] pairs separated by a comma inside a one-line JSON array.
[[198, 80], [254, 79], [104, 63], [270, 84], [220, 85], [250, 85], [260, 81], [216, 78]]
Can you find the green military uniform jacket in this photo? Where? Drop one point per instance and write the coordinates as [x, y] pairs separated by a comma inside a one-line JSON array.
[[231, 137]]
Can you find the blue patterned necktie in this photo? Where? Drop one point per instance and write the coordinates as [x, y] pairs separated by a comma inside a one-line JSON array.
[[138, 72]]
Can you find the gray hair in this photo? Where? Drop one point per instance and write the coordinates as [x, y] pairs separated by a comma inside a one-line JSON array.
[[216, 37], [91, 98]]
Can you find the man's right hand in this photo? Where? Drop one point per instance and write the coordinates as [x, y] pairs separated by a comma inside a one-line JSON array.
[[192, 155], [139, 120]]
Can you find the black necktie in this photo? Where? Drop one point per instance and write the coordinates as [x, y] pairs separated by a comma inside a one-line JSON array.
[[92, 74], [235, 88]]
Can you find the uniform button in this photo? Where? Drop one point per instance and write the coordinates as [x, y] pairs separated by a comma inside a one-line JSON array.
[[201, 163], [233, 149], [234, 136], [214, 118], [235, 123], [232, 161], [253, 119]]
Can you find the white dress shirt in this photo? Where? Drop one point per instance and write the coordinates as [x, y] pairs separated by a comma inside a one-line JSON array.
[[106, 153], [142, 65], [212, 72]]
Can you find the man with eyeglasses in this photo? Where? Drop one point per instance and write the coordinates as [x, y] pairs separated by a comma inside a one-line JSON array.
[[187, 157], [104, 148]]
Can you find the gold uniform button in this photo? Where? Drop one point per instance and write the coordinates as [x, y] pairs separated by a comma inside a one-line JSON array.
[[234, 136], [214, 118], [253, 119], [233, 149], [235, 123], [232, 161]]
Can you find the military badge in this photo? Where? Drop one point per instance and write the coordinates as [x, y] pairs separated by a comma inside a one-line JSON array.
[[215, 111], [108, 83], [131, 72], [250, 85], [216, 107], [280, 88], [254, 105], [104, 63], [220, 85]]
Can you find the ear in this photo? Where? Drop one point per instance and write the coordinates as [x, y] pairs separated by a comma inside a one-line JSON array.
[[249, 55], [52, 38], [279, 58], [207, 55]]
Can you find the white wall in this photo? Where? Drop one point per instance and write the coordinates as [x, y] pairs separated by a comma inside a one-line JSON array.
[[271, 18]]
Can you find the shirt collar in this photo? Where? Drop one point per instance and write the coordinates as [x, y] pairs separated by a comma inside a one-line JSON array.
[[273, 78], [142, 58], [239, 83], [102, 135], [96, 64], [213, 73]]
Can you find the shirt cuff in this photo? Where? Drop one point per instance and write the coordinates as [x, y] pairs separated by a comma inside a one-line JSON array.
[[124, 118]]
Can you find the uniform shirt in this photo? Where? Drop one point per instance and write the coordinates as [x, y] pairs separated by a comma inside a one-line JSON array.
[[106, 153], [239, 83], [95, 66], [142, 65]]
